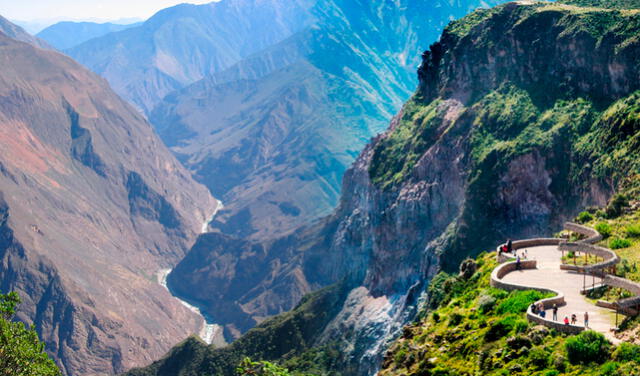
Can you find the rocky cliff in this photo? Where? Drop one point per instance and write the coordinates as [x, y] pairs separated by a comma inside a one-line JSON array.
[[525, 114], [92, 207]]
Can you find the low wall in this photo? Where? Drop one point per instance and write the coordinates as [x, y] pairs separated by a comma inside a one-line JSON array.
[[497, 282], [592, 235], [622, 283], [613, 306], [527, 243], [610, 258]]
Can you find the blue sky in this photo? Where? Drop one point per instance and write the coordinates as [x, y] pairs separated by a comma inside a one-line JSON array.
[[29, 10]]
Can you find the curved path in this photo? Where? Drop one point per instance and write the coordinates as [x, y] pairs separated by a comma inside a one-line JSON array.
[[548, 275]]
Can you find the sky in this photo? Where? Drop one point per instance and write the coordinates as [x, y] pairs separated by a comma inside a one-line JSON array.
[[94, 10]]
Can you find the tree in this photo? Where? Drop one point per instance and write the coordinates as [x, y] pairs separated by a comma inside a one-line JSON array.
[[250, 368], [21, 352]]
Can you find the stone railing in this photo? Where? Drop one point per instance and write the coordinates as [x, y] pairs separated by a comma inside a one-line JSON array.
[[506, 268], [527, 243], [592, 235], [609, 257]]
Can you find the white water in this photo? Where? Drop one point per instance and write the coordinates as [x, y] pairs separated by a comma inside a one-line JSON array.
[[209, 331], [205, 225]]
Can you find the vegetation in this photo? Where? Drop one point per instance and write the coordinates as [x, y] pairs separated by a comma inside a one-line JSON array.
[[280, 343], [21, 352], [475, 329]]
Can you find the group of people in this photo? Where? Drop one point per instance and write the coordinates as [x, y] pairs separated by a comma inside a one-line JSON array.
[[538, 309], [508, 248]]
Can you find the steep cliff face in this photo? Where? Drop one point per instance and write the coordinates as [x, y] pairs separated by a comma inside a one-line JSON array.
[[525, 114], [92, 207]]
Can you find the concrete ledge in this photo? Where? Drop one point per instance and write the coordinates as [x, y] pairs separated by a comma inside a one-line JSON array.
[[592, 235], [613, 306], [528, 243], [610, 258]]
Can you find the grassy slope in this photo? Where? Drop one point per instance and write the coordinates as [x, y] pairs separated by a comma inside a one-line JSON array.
[[478, 330]]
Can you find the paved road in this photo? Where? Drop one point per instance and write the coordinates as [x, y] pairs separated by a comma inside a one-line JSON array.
[[549, 275]]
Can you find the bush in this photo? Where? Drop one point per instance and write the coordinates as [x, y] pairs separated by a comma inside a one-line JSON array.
[[627, 352], [609, 369], [617, 243], [616, 206], [455, 319], [604, 229], [504, 326], [486, 303], [249, 367], [587, 347], [539, 358], [633, 231], [21, 352], [519, 301], [584, 217]]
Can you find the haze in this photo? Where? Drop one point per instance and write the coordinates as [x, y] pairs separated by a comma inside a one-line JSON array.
[[31, 10]]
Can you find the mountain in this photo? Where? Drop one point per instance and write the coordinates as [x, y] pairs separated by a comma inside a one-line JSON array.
[[273, 135], [67, 34], [92, 206], [525, 114], [275, 144], [180, 45], [18, 33]]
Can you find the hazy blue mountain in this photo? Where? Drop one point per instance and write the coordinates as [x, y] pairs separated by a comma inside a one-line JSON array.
[[182, 44], [67, 34], [273, 134], [18, 33]]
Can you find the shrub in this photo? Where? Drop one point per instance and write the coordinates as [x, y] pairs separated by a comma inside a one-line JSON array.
[[617, 243], [486, 303], [604, 229], [519, 301], [584, 217], [587, 347], [249, 367], [616, 206], [504, 326], [551, 373], [633, 231], [609, 369], [539, 358], [455, 318], [21, 352], [627, 352]]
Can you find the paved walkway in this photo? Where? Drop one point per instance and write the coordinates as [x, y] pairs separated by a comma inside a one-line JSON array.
[[549, 275]]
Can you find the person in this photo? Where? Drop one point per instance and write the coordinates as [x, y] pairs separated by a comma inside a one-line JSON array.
[[586, 319], [555, 312], [534, 308], [509, 246], [543, 313], [525, 254], [566, 320], [518, 262], [574, 319]]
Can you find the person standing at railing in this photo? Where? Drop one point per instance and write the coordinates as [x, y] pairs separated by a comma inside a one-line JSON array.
[[518, 266], [509, 246]]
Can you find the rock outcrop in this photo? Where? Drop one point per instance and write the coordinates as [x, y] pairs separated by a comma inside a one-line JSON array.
[[92, 206]]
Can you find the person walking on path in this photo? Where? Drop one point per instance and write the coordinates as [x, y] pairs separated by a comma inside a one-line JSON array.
[[518, 263], [555, 312], [586, 319]]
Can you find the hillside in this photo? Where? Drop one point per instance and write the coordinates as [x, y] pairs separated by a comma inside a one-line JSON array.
[[525, 114], [273, 134], [92, 205], [67, 34]]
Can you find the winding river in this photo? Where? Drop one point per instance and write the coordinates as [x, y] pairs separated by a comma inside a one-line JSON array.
[[211, 332]]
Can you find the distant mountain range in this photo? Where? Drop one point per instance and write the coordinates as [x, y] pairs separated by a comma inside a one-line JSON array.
[[92, 206], [67, 34], [270, 121]]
